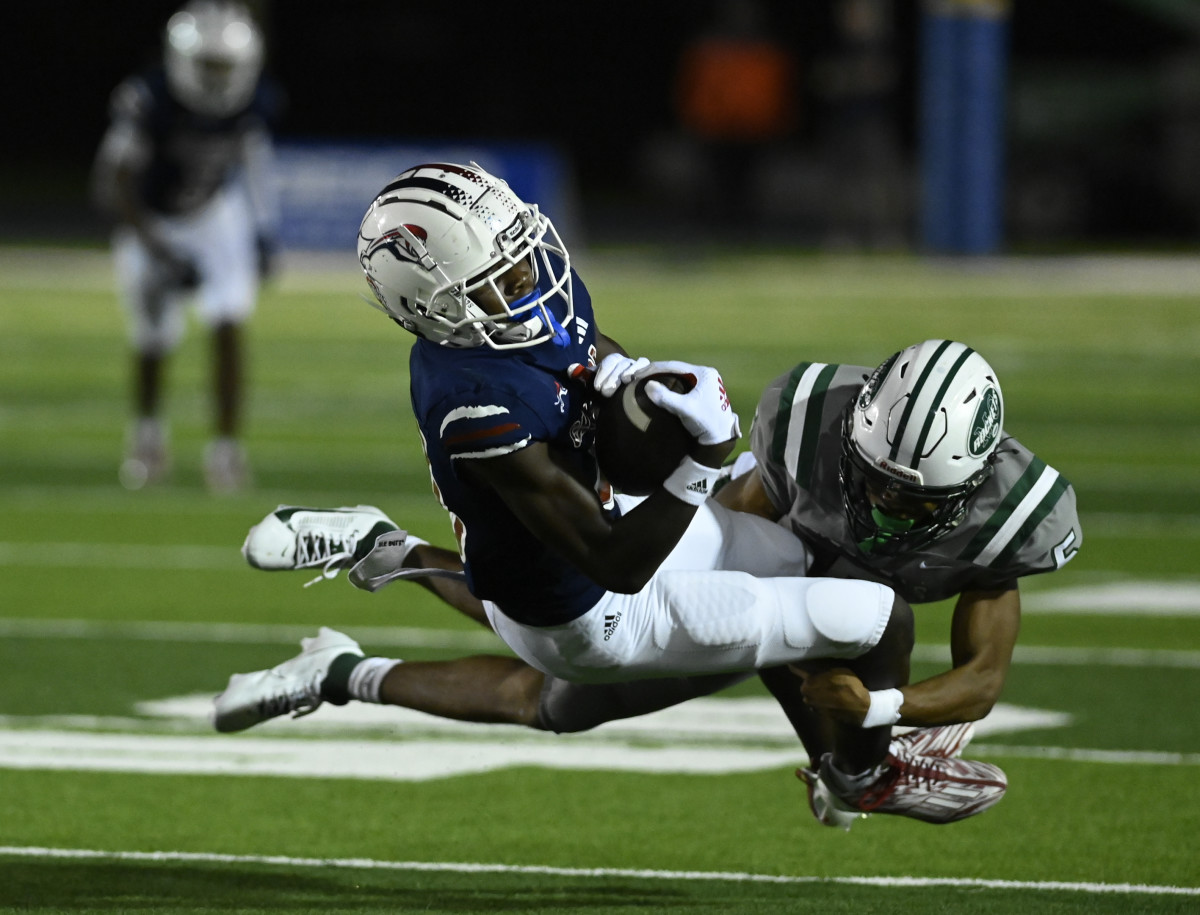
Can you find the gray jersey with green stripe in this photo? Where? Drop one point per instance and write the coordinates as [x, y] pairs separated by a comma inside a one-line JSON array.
[[1021, 521]]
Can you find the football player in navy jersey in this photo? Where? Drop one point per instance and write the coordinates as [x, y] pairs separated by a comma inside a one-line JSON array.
[[184, 171], [584, 588]]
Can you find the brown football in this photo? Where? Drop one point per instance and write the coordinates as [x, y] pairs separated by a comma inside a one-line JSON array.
[[639, 444]]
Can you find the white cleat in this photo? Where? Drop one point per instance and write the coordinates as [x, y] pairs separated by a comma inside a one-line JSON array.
[[293, 687], [294, 537], [927, 788]]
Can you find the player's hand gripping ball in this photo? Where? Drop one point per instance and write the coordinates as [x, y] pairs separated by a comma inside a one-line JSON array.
[[639, 444]]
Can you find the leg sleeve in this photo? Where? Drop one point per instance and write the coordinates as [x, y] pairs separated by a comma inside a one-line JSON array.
[[567, 707]]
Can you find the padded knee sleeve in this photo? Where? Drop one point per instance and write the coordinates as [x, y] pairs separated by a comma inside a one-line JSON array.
[[849, 612]]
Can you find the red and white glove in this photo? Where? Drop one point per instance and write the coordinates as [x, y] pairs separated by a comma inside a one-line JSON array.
[[614, 370], [705, 410]]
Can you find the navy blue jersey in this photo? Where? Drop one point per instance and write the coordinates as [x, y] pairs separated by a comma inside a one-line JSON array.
[[477, 403], [185, 157]]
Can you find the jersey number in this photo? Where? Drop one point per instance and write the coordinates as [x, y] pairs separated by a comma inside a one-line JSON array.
[[1065, 551]]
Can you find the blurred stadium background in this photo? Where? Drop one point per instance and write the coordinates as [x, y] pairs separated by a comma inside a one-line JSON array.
[[121, 613], [1100, 105]]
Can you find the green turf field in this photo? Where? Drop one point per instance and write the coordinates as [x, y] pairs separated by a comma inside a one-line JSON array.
[[122, 613]]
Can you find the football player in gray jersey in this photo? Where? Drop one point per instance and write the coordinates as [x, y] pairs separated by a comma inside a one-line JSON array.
[[905, 475], [902, 474]]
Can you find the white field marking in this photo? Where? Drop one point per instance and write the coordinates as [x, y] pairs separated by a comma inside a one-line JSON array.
[[156, 857], [85, 500], [1157, 598], [23, 267], [1150, 526], [1076, 754], [166, 557], [485, 641], [266, 633], [375, 760], [709, 736], [717, 720], [421, 760]]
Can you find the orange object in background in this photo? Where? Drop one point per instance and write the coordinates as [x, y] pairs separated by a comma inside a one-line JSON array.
[[736, 89]]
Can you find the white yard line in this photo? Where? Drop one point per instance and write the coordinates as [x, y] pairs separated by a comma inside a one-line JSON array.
[[157, 857], [483, 641], [120, 556], [708, 736], [717, 722], [265, 633]]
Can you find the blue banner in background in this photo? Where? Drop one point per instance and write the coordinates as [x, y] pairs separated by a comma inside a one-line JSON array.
[[326, 187]]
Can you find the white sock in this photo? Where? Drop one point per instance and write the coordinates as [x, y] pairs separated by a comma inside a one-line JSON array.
[[367, 677]]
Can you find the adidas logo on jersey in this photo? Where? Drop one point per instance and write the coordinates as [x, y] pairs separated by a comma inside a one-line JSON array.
[[610, 624], [581, 328]]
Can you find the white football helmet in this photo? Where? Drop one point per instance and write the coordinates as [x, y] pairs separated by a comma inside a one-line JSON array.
[[917, 441], [213, 56], [438, 233]]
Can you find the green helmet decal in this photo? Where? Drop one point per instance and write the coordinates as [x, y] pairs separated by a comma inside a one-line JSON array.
[[871, 388], [985, 427]]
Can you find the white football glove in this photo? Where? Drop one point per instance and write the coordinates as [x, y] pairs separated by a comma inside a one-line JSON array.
[[704, 410], [615, 370]]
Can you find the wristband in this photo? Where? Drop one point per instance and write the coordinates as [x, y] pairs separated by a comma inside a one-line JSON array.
[[884, 708], [691, 482]]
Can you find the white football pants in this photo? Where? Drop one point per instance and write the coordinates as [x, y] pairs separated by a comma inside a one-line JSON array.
[[731, 596], [219, 239]]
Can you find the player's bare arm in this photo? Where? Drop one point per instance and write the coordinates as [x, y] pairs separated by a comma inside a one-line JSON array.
[[607, 346], [747, 494], [620, 555], [452, 591], [983, 633]]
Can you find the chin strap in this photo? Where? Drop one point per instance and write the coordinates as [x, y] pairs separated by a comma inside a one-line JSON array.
[[561, 337]]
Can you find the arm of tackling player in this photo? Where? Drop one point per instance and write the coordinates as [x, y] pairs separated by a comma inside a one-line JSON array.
[[983, 633]]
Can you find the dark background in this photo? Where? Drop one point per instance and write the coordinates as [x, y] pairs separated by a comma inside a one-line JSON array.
[[1103, 126]]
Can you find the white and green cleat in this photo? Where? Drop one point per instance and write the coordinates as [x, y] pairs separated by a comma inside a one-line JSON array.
[[362, 539], [291, 688], [329, 539]]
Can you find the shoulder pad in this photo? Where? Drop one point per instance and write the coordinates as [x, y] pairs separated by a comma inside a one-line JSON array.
[[794, 413], [1031, 525]]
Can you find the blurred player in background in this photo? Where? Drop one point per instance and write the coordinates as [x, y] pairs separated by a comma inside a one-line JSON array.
[[185, 170]]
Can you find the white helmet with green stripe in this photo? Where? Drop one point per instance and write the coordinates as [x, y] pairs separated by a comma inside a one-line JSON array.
[[918, 440]]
